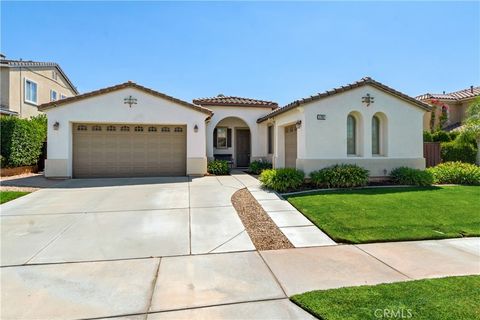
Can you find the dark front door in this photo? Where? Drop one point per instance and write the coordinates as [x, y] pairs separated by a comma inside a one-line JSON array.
[[243, 147]]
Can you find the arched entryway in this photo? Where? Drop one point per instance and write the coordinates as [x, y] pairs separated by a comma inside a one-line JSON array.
[[232, 141]]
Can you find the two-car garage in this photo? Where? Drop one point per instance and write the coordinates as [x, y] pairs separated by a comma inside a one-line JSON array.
[[128, 150]]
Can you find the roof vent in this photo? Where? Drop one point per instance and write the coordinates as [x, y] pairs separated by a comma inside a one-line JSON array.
[[221, 95], [471, 89]]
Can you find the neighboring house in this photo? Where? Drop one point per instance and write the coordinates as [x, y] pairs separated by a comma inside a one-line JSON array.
[[25, 85], [130, 130], [454, 104]]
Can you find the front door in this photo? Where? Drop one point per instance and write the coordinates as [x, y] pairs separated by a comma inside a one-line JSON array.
[[243, 147]]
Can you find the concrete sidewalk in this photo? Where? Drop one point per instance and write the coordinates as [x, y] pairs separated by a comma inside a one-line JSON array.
[[222, 286]]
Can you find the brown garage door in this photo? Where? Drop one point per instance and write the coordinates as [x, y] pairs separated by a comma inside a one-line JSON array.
[[128, 150], [291, 146]]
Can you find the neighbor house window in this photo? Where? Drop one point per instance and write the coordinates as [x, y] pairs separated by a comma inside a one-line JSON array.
[[30, 91], [221, 138], [351, 135], [53, 95], [270, 139], [375, 135], [62, 96]]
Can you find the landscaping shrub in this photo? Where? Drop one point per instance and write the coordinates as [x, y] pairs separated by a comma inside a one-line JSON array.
[[218, 167], [340, 176], [283, 179], [441, 136], [458, 151], [427, 136], [456, 173], [257, 166], [410, 176], [22, 140]]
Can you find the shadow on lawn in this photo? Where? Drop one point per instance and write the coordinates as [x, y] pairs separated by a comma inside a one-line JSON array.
[[365, 191]]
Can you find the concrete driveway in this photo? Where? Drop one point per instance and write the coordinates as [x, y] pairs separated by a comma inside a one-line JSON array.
[[109, 219]]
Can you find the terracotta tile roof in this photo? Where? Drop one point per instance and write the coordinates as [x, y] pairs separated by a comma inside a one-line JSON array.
[[471, 92], [36, 64], [128, 84], [222, 100], [362, 82]]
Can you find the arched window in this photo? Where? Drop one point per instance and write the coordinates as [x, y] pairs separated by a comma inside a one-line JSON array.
[[375, 135], [351, 135]]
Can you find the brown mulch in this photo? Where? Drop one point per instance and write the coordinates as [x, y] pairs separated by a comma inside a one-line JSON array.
[[262, 230]]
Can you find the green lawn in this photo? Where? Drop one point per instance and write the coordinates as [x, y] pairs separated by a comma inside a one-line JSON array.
[[6, 196], [393, 214], [452, 298]]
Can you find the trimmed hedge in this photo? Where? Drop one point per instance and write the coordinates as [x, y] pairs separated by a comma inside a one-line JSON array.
[[218, 167], [439, 136], [257, 166], [282, 180], [457, 151], [340, 176], [22, 140], [456, 173], [410, 176]]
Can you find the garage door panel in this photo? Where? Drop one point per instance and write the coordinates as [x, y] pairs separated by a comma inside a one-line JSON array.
[[126, 150]]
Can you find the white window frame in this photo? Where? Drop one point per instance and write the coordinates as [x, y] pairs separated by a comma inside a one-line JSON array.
[[25, 91], [51, 95]]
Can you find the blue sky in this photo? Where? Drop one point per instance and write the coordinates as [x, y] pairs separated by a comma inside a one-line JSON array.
[[272, 50]]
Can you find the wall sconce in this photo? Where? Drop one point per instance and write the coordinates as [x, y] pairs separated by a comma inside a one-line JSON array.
[[56, 125], [298, 124], [195, 128]]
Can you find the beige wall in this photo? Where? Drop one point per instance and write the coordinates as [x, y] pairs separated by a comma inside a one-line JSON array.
[[456, 110], [45, 83], [4, 85]]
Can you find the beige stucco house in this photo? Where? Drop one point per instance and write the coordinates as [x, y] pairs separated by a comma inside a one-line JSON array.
[[24, 85], [129, 130], [455, 105]]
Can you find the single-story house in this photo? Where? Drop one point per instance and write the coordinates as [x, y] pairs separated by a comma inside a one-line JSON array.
[[128, 130]]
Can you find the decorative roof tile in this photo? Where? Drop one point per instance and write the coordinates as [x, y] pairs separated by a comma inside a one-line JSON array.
[[362, 82], [222, 100], [468, 93]]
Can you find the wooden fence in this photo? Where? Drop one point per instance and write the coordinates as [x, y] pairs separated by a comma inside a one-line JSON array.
[[431, 153]]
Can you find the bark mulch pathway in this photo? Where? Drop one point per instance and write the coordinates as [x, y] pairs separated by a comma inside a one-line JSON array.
[[262, 230]]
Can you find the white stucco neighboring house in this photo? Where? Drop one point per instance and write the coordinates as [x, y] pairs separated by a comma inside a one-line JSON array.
[[130, 130]]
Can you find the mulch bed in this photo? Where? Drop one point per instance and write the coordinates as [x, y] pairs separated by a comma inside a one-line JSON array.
[[262, 230]]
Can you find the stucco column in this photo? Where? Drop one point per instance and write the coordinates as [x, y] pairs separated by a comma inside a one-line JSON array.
[[209, 139], [279, 151]]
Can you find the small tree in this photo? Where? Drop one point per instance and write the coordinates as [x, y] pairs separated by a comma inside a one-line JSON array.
[[471, 127]]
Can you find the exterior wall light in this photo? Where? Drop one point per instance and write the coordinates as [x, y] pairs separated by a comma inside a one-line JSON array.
[[195, 128], [298, 124], [56, 125]]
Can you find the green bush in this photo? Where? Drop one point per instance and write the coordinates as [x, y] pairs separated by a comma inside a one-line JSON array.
[[257, 166], [456, 173], [22, 140], [282, 180], [218, 167], [427, 136], [410, 176], [441, 136], [340, 176], [458, 151]]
